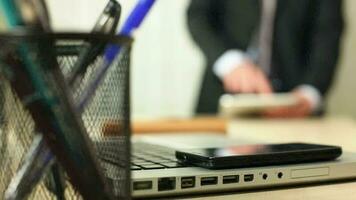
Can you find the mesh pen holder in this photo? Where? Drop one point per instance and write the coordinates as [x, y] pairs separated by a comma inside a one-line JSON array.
[[109, 105]]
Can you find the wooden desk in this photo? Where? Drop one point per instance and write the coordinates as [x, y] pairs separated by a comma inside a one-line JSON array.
[[342, 191], [337, 131], [200, 124]]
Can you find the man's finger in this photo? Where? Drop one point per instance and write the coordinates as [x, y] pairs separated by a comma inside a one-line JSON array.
[[247, 83], [230, 84], [235, 86], [226, 84], [262, 84]]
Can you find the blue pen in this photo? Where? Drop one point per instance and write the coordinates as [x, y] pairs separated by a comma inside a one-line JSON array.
[[111, 52], [132, 23]]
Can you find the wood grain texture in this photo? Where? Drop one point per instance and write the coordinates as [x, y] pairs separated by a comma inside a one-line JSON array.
[[201, 124]]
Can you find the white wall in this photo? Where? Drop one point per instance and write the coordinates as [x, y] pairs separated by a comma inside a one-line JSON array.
[[166, 64], [343, 97], [166, 68]]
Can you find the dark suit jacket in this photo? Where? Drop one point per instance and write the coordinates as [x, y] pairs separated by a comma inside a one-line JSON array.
[[305, 47]]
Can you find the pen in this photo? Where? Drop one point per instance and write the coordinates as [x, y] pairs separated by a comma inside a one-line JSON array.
[[42, 16], [38, 158], [11, 15], [30, 12], [133, 22], [107, 24], [130, 25], [37, 161], [55, 117], [112, 52]]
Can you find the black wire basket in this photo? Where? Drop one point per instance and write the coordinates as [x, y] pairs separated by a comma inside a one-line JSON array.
[[106, 118]]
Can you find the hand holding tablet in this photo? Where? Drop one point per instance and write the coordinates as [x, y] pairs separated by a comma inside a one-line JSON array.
[[255, 104]]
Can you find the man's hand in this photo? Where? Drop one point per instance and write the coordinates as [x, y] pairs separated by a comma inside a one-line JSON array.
[[246, 78], [302, 109]]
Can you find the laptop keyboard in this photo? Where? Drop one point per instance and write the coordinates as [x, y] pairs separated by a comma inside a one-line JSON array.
[[147, 157], [144, 156]]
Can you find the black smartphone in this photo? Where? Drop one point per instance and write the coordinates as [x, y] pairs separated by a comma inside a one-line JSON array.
[[258, 155]]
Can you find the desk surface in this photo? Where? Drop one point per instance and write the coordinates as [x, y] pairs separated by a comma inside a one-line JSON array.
[[344, 191], [333, 131], [336, 131]]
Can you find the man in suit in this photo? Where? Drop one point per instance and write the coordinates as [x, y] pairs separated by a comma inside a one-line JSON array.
[[264, 46]]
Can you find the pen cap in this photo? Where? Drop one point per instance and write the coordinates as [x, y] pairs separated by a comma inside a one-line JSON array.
[[112, 8], [109, 19]]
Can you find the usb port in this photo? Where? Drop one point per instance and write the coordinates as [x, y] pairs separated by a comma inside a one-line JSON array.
[[142, 185], [230, 179], [187, 182], [209, 180], [248, 177]]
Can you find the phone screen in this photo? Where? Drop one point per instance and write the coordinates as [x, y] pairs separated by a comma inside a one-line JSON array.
[[253, 150]]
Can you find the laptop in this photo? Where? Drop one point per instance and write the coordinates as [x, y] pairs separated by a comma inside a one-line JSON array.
[[157, 173]]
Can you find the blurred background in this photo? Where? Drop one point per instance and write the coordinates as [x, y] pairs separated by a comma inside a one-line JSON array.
[[167, 67]]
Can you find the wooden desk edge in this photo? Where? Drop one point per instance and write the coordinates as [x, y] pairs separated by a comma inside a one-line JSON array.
[[200, 124]]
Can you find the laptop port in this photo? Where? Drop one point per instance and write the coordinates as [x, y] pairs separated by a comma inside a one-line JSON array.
[[280, 175], [209, 180], [248, 177], [265, 176], [231, 179], [187, 182], [142, 185], [165, 184]]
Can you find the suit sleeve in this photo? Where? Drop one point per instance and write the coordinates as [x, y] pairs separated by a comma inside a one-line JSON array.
[[325, 44], [203, 25]]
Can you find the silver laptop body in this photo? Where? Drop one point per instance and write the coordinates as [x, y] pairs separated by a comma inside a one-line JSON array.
[[180, 180]]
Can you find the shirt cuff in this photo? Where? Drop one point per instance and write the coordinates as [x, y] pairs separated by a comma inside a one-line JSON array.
[[312, 94], [228, 62]]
